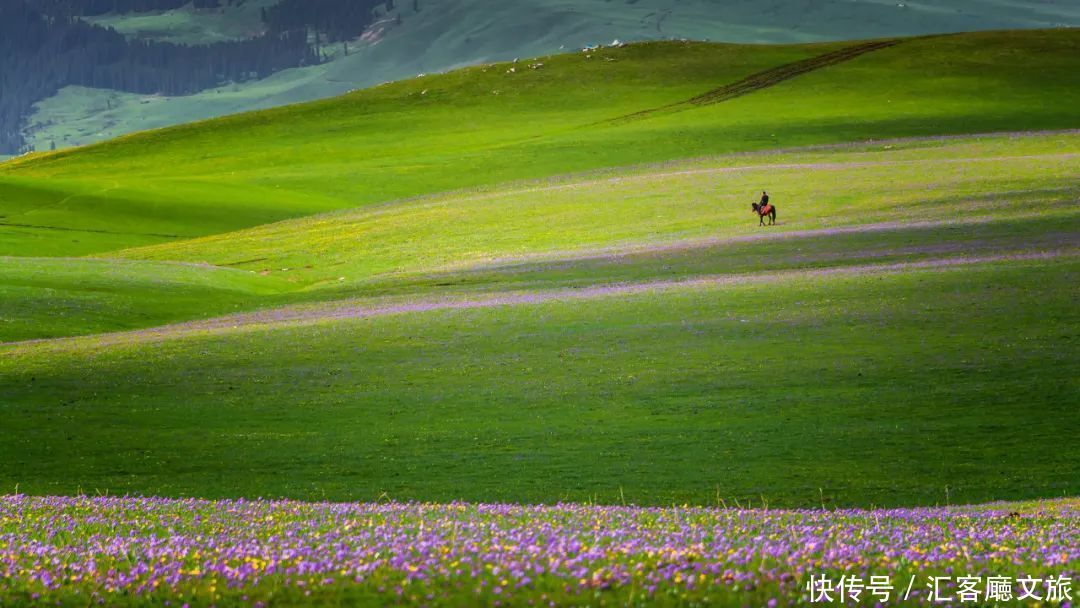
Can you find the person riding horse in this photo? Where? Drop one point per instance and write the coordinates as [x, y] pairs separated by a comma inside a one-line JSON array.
[[765, 208]]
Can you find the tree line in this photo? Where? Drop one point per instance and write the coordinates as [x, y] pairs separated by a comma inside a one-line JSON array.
[[336, 20], [93, 8], [45, 46]]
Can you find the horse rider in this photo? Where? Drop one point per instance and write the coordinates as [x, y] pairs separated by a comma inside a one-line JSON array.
[[764, 208]]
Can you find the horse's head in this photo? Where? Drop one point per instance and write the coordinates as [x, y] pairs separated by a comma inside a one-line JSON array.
[[754, 207]]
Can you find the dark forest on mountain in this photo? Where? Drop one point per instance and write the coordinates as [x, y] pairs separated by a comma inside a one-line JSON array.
[[45, 46]]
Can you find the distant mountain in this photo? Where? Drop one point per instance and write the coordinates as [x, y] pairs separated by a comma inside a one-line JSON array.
[[46, 45], [78, 71]]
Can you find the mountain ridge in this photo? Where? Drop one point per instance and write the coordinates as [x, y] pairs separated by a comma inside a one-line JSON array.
[[441, 36]]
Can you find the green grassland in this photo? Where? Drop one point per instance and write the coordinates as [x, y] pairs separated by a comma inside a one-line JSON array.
[[431, 291], [377, 145], [46, 297], [776, 386], [990, 195], [987, 178], [446, 34], [485, 125], [879, 389]]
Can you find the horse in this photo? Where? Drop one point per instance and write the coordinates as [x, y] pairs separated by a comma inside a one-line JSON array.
[[763, 211]]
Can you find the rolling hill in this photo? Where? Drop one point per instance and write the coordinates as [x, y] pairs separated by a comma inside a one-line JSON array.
[[538, 281], [503, 122], [435, 35]]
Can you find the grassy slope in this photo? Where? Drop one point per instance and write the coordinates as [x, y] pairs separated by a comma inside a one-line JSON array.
[[881, 389], [988, 178], [92, 214], [878, 388], [670, 396], [328, 144], [397, 141], [447, 34], [42, 297], [1019, 192]]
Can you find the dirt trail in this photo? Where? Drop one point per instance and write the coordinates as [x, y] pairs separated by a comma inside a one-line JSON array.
[[458, 197], [293, 316], [767, 78], [615, 252], [668, 168]]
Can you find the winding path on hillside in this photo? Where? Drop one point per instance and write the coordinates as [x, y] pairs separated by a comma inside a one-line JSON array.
[[645, 175], [309, 314], [614, 252], [767, 78]]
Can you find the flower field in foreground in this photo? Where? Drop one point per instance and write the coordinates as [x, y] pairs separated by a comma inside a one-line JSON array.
[[144, 551]]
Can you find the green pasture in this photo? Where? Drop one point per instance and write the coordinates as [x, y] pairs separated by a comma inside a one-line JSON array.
[[220, 161], [447, 34], [838, 207], [483, 125], [51, 297], [884, 388], [989, 178], [47, 297], [812, 367], [738, 259], [59, 217]]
